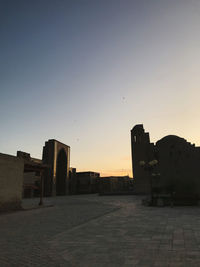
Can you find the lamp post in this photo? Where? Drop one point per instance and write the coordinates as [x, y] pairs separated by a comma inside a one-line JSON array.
[[41, 188], [149, 166]]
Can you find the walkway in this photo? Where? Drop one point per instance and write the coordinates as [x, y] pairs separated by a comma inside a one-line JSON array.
[[88, 230]]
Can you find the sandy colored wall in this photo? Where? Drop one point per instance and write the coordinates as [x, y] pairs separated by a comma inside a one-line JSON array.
[[11, 182]]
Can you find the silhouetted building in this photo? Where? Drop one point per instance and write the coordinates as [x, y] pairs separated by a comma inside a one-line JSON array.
[[57, 156], [87, 182], [23, 155], [72, 181], [178, 164], [32, 174], [142, 150], [115, 184]]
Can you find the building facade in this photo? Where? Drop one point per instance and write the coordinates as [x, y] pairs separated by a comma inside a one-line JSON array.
[[178, 163], [87, 182], [57, 156], [142, 150]]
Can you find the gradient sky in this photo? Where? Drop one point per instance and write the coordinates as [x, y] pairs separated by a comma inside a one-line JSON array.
[[85, 72]]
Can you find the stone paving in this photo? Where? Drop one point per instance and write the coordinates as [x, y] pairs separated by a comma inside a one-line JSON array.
[[88, 230]]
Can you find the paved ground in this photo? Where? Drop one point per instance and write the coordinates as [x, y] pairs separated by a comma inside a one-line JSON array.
[[89, 230]]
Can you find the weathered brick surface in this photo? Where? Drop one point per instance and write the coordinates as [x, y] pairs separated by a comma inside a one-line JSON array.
[[101, 231]]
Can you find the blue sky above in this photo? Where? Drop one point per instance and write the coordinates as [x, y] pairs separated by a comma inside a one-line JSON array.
[[85, 72]]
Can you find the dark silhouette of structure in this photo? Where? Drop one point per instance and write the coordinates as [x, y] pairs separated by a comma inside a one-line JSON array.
[[87, 182], [33, 175], [56, 178], [179, 167], [178, 164], [72, 181], [142, 150], [115, 185]]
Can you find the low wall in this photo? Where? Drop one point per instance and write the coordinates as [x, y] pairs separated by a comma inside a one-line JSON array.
[[11, 182]]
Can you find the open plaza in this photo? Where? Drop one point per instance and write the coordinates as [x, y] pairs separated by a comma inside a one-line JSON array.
[[93, 230]]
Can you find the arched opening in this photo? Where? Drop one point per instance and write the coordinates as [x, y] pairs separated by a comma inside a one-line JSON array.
[[61, 173]]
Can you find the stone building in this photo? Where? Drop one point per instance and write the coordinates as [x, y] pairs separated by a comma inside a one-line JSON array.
[[11, 182], [31, 184], [142, 150], [56, 175], [178, 163], [31, 179], [57, 156], [87, 182], [179, 166], [115, 184], [72, 181]]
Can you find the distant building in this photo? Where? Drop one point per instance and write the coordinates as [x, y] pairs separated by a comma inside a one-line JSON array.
[[72, 181], [179, 166], [115, 184], [59, 177], [33, 170], [142, 150], [57, 156], [178, 163], [87, 182]]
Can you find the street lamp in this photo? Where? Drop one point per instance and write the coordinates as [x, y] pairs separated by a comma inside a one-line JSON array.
[[149, 166]]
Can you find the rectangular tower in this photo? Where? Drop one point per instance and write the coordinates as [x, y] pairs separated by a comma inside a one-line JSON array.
[[57, 156], [142, 150]]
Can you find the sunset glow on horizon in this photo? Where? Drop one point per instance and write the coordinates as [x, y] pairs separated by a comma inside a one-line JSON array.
[[85, 72]]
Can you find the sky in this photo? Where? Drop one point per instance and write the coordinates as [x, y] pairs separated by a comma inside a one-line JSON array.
[[85, 72]]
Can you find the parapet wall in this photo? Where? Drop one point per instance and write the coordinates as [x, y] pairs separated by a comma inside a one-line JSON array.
[[11, 182]]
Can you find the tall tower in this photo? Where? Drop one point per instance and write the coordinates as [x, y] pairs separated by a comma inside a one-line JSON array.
[[57, 156], [142, 150]]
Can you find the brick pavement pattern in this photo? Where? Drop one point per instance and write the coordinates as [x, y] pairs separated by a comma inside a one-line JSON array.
[[88, 230]]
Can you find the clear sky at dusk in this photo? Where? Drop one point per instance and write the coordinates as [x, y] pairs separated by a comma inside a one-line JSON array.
[[85, 72]]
